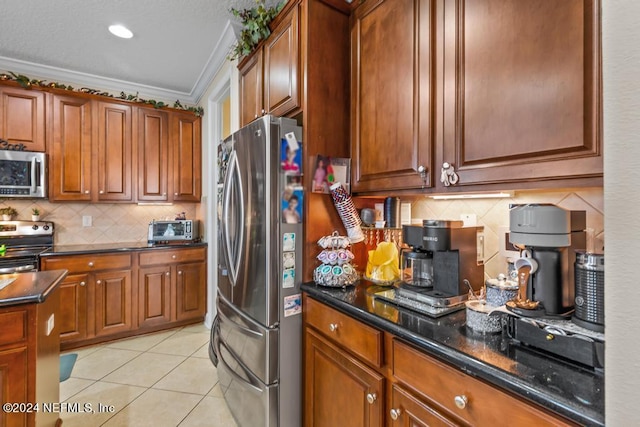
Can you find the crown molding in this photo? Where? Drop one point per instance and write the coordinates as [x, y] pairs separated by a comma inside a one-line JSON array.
[[216, 60]]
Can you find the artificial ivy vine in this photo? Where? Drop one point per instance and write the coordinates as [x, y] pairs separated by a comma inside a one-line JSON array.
[[28, 83]]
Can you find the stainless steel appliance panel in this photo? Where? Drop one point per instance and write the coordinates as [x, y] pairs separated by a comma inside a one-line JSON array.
[[23, 174], [251, 402], [250, 342]]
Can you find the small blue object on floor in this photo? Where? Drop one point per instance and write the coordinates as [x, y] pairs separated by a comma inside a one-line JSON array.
[[66, 365]]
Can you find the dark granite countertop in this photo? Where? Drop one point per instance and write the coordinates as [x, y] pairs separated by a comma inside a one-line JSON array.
[[110, 247], [571, 391], [29, 288]]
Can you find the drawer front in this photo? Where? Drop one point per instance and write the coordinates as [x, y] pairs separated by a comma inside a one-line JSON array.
[[479, 403], [355, 336], [87, 263], [13, 327], [155, 257]]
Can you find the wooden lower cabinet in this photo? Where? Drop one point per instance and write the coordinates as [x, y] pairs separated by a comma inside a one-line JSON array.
[[29, 361], [154, 296], [113, 301], [73, 303], [114, 294], [409, 411], [343, 386], [339, 389], [190, 294]]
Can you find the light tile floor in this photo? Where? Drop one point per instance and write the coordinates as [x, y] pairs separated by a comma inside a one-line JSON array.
[[161, 379]]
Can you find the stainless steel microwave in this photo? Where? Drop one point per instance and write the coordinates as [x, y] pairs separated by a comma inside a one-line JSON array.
[[23, 174], [185, 230]]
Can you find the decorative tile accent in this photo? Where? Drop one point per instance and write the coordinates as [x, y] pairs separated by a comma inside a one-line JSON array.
[[494, 213], [111, 222]]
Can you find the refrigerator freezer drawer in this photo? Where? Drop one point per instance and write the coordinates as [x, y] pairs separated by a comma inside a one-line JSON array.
[[254, 345], [252, 403]]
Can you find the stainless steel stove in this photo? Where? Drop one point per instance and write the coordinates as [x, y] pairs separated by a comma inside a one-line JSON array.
[[24, 242]]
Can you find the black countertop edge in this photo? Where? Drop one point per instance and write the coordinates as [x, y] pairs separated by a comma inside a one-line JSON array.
[[30, 288], [119, 247], [476, 368]]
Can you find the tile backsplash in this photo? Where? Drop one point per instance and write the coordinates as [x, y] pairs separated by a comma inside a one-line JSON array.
[[494, 214], [111, 222]]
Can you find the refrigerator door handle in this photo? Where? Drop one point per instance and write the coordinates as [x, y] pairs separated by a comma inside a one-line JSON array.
[[243, 329], [240, 364], [233, 189]]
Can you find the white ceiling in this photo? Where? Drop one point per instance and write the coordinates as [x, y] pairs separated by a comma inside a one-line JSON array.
[[177, 47]]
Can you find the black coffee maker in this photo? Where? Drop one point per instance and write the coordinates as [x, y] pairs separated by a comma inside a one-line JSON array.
[[453, 252], [550, 236]]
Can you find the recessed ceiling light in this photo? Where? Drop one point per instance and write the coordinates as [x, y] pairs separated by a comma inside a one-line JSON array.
[[120, 31]]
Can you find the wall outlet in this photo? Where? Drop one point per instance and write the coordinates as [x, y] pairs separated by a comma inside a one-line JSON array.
[[469, 220], [51, 323], [87, 220]]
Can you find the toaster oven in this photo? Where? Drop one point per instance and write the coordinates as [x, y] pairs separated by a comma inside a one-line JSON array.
[[179, 230]]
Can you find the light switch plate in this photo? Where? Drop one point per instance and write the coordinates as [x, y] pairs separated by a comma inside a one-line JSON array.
[[87, 220]]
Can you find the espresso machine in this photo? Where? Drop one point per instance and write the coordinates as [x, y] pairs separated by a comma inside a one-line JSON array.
[[441, 265], [548, 237]]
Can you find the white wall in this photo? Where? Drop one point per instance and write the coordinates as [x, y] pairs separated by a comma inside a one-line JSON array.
[[225, 79], [621, 87]]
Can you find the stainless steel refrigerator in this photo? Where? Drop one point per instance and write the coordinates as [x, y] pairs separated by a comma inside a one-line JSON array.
[[256, 336]]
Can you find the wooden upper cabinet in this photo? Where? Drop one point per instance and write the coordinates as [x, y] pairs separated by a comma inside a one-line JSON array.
[[22, 117], [70, 159], [270, 78], [115, 152], [521, 90], [281, 63], [391, 106], [251, 103], [186, 146], [153, 154]]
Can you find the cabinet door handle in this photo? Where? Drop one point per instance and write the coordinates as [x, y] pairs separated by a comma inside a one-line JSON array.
[[448, 175], [423, 175], [371, 398], [461, 401], [82, 284], [101, 191], [166, 274], [333, 327], [173, 257], [179, 273], [395, 414], [90, 264], [98, 282], [175, 194], [86, 191]]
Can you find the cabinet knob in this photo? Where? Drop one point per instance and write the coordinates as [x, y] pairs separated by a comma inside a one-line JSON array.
[[333, 327], [262, 111], [90, 264], [98, 282], [101, 191], [423, 175], [395, 414], [164, 194], [167, 273], [173, 257], [83, 284], [255, 117], [448, 175], [371, 397], [86, 191], [175, 194], [461, 401], [179, 273]]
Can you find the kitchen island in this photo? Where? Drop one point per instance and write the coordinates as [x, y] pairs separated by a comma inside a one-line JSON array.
[[30, 347], [471, 360]]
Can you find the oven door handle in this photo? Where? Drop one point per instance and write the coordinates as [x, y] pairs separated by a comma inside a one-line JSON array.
[[20, 269]]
